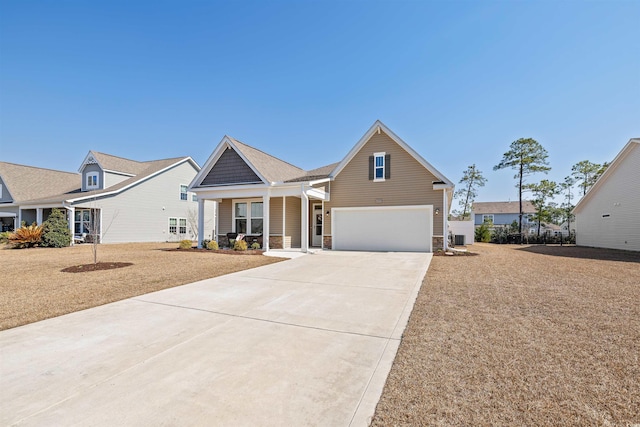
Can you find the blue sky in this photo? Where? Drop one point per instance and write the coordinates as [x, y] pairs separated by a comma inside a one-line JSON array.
[[303, 80]]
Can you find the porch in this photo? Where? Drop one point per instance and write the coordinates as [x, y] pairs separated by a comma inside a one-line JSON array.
[[278, 217]]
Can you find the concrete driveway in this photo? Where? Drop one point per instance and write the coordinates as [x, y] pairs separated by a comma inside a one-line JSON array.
[[308, 341]]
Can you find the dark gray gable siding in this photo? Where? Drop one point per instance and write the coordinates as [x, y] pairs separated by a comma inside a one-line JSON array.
[[230, 169]]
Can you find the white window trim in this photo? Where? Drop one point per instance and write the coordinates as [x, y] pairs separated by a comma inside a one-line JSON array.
[[248, 202], [186, 192], [0, 191], [487, 216], [178, 219], [92, 174], [376, 155]]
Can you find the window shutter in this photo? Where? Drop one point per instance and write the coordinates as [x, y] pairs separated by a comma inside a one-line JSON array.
[[371, 160], [387, 166]]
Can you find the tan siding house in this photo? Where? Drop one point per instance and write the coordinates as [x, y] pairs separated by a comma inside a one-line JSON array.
[[608, 216], [382, 196]]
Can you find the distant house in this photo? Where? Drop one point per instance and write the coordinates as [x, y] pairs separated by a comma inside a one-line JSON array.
[[119, 200], [382, 196], [608, 216], [503, 213]]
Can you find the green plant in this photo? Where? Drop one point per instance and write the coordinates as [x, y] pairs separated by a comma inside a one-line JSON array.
[[483, 233], [205, 243], [255, 245], [232, 243], [185, 244], [55, 230], [212, 245], [240, 245], [4, 237], [26, 236]]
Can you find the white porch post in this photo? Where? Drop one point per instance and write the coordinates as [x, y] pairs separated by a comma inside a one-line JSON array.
[[265, 222], [216, 209], [19, 219], [72, 216], [284, 223], [200, 221], [304, 228], [39, 216], [322, 230]]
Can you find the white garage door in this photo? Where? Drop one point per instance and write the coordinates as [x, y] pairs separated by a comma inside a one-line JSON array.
[[389, 228]]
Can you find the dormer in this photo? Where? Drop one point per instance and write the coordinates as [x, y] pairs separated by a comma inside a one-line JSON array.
[[100, 171], [92, 173]]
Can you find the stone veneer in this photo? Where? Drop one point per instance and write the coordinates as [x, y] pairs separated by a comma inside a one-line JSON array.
[[275, 242], [326, 240], [437, 242]]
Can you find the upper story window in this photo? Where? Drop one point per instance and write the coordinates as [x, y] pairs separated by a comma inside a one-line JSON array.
[[0, 191], [92, 180], [379, 167], [487, 218], [194, 198], [183, 192]]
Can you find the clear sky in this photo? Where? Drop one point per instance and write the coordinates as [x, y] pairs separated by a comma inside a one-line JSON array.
[[303, 80]]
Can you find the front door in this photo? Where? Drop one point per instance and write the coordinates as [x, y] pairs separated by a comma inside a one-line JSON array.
[[317, 225]]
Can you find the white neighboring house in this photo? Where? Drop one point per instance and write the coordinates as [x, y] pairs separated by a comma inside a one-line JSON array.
[[120, 200], [608, 216]]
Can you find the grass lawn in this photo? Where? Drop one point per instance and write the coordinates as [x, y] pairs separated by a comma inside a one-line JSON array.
[[33, 287], [521, 336]]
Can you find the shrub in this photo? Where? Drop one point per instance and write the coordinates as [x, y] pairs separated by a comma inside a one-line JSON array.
[[483, 234], [232, 243], [205, 243], [26, 236], [240, 245], [55, 230], [255, 245], [185, 244], [4, 237], [212, 245]]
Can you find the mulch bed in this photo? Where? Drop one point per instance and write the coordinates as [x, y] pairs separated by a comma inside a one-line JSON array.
[[95, 267], [455, 253]]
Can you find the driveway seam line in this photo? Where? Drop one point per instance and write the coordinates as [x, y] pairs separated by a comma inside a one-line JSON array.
[[265, 320]]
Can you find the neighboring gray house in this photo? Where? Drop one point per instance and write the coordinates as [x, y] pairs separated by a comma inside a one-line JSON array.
[[382, 196], [123, 200], [503, 213], [608, 216]]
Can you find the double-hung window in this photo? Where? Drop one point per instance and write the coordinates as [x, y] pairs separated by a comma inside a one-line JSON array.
[[378, 171], [487, 218], [92, 180], [248, 216], [183, 225], [183, 192], [173, 225]]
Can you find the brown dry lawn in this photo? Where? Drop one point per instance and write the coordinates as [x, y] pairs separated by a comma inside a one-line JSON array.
[[525, 336], [33, 287]]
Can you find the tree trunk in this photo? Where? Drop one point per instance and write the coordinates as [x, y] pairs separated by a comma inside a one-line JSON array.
[[520, 200]]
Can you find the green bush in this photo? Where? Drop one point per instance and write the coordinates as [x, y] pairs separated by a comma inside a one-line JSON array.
[[212, 245], [232, 243], [4, 237], [483, 234], [255, 245], [205, 243], [55, 230], [185, 244], [240, 245]]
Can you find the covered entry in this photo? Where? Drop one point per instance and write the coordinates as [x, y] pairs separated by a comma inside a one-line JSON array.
[[383, 228]]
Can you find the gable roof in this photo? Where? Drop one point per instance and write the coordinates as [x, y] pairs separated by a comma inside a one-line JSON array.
[[42, 186], [633, 144], [271, 168], [119, 164], [30, 182], [503, 207], [378, 126]]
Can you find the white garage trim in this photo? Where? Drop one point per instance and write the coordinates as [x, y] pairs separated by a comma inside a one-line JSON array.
[[383, 228]]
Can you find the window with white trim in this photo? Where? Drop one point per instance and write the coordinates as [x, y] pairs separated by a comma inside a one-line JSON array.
[[378, 166], [487, 218], [173, 225], [183, 225], [194, 198], [248, 216], [183, 192], [92, 180], [0, 191]]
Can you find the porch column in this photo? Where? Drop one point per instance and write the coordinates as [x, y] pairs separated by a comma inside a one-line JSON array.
[[304, 228], [216, 209], [72, 216], [284, 223], [19, 219], [39, 216], [265, 222], [445, 232], [200, 221]]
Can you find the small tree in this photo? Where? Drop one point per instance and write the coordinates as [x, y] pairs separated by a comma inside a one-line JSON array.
[[567, 206], [542, 191], [585, 173], [472, 179], [526, 156], [55, 230]]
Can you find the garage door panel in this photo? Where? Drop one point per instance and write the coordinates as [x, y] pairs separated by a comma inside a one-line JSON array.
[[402, 228]]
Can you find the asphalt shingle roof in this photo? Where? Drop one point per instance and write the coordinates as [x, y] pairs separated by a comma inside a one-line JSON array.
[[503, 207], [29, 182]]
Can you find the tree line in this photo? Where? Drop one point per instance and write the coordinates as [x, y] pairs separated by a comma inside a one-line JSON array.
[[528, 157]]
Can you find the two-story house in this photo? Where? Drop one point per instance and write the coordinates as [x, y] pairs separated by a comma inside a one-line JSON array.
[[502, 214], [116, 199]]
